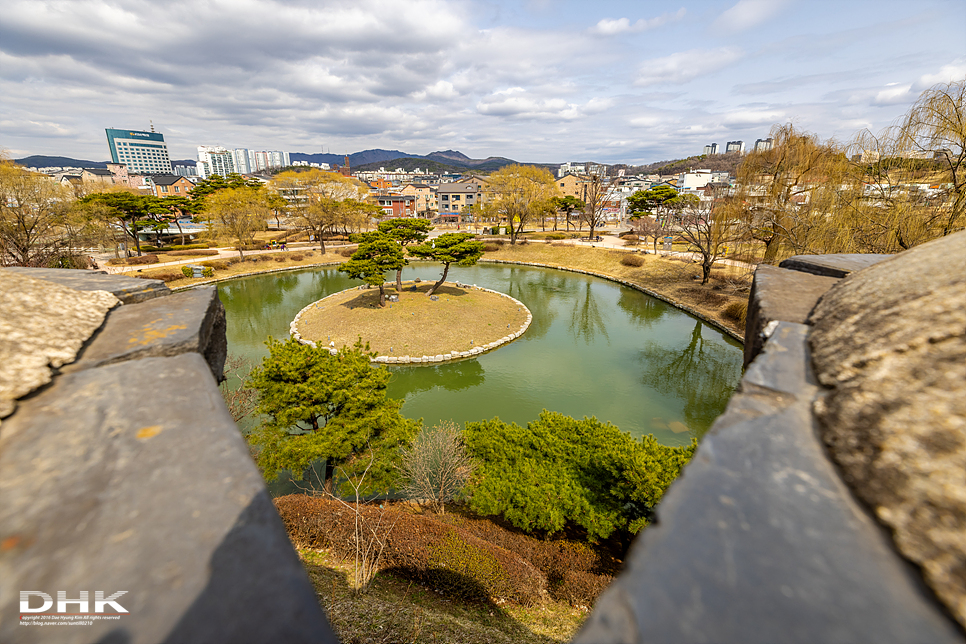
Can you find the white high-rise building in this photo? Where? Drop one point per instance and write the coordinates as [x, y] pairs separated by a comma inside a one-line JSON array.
[[241, 158], [711, 149], [735, 146], [214, 159], [763, 144]]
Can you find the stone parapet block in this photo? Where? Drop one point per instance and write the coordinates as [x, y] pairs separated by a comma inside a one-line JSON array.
[[832, 265], [133, 477], [190, 321], [781, 295], [129, 290]]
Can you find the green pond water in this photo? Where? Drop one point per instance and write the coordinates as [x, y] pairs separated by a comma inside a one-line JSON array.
[[594, 348]]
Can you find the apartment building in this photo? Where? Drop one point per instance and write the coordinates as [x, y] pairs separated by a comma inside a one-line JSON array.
[[170, 185], [424, 195], [144, 152], [455, 199]]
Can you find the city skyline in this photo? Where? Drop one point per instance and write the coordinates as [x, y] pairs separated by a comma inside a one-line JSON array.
[[534, 81]]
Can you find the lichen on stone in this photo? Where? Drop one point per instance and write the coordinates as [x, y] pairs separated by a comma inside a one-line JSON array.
[[889, 343], [43, 326]]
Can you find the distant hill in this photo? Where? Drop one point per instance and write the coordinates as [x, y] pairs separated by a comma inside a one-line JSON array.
[[41, 161], [448, 160], [355, 159], [727, 162]]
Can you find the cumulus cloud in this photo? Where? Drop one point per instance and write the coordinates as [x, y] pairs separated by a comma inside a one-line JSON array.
[[518, 103], [609, 27], [748, 13], [685, 66]]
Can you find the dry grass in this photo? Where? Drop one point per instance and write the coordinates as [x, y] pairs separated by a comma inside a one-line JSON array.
[[414, 326], [674, 279], [266, 262], [397, 610]]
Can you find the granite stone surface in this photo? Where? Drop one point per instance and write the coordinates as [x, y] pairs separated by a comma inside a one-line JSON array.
[[192, 320], [760, 541], [127, 289], [890, 344], [832, 265], [42, 326], [133, 477]]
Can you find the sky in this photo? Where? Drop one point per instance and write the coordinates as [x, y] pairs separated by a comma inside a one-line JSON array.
[[533, 80]]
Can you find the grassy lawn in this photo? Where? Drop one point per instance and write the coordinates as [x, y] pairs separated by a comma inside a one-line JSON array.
[[251, 264], [416, 325], [398, 610]]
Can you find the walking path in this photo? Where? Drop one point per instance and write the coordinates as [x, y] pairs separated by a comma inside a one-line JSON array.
[[225, 252]]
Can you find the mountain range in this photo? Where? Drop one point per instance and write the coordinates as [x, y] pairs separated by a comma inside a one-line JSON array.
[[370, 160], [445, 161]]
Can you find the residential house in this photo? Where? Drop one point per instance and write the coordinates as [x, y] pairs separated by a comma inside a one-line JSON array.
[[171, 185], [395, 206], [457, 199], [424, 195]]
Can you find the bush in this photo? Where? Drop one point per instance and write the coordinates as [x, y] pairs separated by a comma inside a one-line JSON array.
[[279, 258], [195, 253], [418, 547], [296, 257], [737, 311], [559, 470], [189, 246], [217, 264], [632, 260], [490, 247], [186, 271], [346, 252], [208, 271], [556, 236], [555, 559], [150, 258], [167, 276], [705, 296]]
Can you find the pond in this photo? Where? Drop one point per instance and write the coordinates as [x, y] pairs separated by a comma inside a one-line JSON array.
[[594, 348]]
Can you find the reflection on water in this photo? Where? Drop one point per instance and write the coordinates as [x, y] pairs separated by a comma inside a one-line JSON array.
[[594, 348], [699, 376]]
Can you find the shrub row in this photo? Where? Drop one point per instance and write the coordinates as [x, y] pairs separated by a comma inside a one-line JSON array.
[[198, 252], [166, 276], [418, 547], [150, 258], [575, 572]]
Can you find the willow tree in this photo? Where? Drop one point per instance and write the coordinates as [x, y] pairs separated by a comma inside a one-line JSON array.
[[519, 193], [788, 193], [915, 184]]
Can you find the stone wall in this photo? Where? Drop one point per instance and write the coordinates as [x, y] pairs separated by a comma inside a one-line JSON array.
[[123, 472], [828, 503]]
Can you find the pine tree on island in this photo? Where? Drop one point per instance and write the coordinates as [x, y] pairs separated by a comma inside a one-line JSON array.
[[449, 248], [406, 231], [377, 253]]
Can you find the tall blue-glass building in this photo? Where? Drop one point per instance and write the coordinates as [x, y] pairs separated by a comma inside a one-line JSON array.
[[141, 152]]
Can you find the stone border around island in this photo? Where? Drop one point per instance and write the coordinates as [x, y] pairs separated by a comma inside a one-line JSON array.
[[440, 357]]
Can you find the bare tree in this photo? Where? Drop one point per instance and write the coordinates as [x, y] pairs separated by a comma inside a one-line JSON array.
[[240, 399], [436, 466], [648, 227], [594, 190], [709, 230]]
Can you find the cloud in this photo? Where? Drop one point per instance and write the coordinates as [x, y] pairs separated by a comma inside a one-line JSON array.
[[518, 103], [608, 27], [955, 70], [685, 66], [748, 13]]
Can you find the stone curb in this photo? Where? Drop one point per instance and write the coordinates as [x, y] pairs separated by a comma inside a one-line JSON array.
[[231, 277], [442, 357]]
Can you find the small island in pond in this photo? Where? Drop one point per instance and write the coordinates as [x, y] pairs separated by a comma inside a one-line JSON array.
[[458, 321]]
